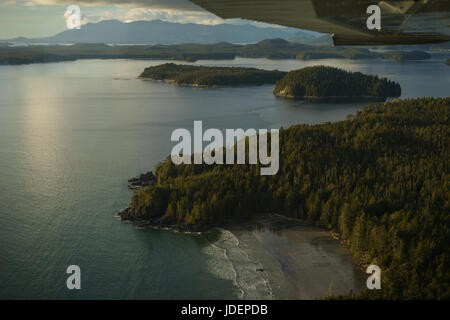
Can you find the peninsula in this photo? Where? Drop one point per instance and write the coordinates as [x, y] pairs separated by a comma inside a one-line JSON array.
[[375, 180]]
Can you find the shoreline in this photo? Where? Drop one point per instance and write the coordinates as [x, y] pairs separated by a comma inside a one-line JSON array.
[[287, 257], [141, 224], [333, 98], [193, 85], [302, 261]]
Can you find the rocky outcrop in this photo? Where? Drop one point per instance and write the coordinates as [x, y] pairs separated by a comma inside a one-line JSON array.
[[126, 214], [143, 180]]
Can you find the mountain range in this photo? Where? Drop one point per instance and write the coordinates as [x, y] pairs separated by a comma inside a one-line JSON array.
[[161, 32]]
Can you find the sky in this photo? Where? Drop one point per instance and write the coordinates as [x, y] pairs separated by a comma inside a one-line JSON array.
[[43, 18]]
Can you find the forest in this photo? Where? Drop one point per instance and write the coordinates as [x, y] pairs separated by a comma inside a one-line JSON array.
[[322, 81], [210, 76], [271, 49], [379, 179]]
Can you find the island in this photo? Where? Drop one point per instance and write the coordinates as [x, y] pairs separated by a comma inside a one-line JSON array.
[[374, 180], [270, 49], [408, 55], [328, 83], [200, 76], [447, 62]]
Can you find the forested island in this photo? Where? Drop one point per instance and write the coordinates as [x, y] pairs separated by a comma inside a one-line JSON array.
[[316, 82], [322, 82], [199, 76], [378, 180], [271, 49]]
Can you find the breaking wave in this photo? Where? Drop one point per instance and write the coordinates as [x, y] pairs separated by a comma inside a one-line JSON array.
[[232, 260]]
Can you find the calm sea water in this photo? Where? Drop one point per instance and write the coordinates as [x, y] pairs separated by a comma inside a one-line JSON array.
[[71, 134]]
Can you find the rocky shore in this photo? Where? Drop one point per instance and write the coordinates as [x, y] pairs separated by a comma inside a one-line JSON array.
[[127, 214], [332, 98], [143, 180], [193, 85]]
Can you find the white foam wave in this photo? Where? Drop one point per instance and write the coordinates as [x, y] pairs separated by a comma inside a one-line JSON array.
[[231, 259]]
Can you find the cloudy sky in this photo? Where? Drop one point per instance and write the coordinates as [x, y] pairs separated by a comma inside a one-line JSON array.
[[41, 18]]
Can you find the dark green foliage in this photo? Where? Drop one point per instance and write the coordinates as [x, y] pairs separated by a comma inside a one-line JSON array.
[[380, 179], [52, 53], [272, 49], [408, 55], [322, 82], [211, 76]]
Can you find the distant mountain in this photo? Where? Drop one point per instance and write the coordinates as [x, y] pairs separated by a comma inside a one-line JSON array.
[[161, 32]]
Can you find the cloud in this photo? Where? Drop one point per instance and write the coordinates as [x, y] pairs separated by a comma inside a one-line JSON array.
[[6, 3], [138, 14], [157, 4], [181, 11]]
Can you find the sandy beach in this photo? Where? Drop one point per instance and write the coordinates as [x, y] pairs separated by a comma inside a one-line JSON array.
[[297, 261]]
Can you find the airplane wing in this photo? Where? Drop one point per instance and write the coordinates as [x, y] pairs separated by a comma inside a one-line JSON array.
[[402, 21]]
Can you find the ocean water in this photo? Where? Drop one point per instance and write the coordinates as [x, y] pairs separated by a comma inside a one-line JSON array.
[[72, 133]]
